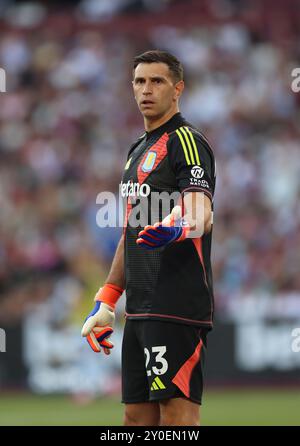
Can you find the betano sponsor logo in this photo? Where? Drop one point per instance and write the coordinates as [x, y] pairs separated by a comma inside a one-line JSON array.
[[131, 189]]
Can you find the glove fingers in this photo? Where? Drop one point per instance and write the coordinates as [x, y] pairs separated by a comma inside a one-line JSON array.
[[146, 243], [155, 236], [168, 232], [161, 231], [106, 351], [158, 233], [161, 238], [150, 232], [155, 229], [107, 344], [102, 334], [150, 239], [91, 339], [88, 326], [98, 337], [143, 241]]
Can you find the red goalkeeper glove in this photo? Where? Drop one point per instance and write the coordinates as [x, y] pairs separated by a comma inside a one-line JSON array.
[[98, 325]]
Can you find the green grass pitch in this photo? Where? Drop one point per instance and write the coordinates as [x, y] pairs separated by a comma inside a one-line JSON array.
[[229, 407]]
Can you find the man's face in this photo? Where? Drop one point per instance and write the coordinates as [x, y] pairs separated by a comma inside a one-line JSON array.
[[154, 89]]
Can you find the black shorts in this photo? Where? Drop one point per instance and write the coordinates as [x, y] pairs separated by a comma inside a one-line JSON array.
[[162, 360]]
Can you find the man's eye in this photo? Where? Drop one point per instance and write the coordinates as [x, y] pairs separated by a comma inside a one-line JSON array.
[[139, 81], [157, 81]]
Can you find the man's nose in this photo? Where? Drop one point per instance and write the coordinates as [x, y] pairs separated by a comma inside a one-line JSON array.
[[147, 87]]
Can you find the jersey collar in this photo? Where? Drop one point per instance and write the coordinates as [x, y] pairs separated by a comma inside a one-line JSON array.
[[176, 121]]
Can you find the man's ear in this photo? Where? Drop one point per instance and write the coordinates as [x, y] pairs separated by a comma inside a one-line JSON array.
[[179, 87]]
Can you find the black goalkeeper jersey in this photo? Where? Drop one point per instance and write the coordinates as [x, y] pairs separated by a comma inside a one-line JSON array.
[[172, 283]]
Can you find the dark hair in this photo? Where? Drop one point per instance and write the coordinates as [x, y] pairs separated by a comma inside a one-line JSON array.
[[156, 56]]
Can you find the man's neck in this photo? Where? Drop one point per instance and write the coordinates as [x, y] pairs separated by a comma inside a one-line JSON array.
[[151, 125]]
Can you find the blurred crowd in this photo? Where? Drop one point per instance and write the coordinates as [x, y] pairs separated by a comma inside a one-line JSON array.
[[66, 123]]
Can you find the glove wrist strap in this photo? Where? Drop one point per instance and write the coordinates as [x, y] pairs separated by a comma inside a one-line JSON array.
[[185, 232], [109, 294]]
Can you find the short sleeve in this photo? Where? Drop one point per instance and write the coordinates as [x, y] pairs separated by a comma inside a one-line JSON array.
[[191, 161]]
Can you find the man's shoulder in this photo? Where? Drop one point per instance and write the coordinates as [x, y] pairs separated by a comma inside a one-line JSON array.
[[188, 133]]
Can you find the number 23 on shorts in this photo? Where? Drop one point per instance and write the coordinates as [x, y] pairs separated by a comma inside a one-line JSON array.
[[157, 355]]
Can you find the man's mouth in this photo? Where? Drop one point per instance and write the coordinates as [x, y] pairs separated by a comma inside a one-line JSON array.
[[147, 102]]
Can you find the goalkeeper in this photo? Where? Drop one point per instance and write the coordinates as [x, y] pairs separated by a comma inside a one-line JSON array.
[[163, 265]]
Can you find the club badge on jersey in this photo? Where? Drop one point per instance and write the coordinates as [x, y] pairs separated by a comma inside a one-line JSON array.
[[149, 161]]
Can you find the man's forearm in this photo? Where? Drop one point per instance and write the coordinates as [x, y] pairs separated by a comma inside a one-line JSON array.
[[116, 274], [198, 213]]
